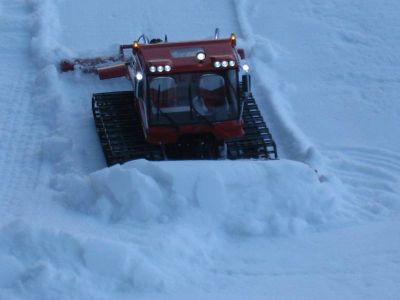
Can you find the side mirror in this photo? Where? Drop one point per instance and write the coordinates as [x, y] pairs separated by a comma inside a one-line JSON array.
[[241, 53]]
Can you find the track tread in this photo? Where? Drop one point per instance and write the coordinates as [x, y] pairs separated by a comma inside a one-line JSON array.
[[257, 143], [119, 128]]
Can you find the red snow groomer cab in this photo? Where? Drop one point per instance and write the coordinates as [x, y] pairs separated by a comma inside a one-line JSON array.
[[189, 100]]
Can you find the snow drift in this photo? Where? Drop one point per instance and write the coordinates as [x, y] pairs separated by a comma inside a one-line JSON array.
[[55, 260], [179, 216], [244, 197]]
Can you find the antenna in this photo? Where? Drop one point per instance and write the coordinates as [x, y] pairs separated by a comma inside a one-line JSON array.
[[216, 34]]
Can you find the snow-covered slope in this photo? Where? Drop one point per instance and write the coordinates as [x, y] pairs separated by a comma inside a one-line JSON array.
[[322, 222]]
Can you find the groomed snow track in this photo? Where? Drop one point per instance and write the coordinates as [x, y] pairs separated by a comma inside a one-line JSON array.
[[325, 79], [119, 128]]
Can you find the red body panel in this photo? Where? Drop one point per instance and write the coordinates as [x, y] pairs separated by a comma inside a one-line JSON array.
[[168, 134]]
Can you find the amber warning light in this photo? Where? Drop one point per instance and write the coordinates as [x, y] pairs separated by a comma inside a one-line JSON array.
[[233, 39]]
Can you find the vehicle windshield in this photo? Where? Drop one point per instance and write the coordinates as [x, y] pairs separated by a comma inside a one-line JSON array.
[[193, 97]]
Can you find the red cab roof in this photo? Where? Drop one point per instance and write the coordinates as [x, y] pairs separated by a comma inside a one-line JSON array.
[[181, 56]]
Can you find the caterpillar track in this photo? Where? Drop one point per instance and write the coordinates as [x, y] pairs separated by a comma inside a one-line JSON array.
[[119, 128]]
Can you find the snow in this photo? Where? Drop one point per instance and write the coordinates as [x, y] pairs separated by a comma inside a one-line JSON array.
[[321, 222], [340, 59], [232, 197]]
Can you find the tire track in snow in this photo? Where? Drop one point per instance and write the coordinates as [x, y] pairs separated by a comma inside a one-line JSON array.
[[20, 130], [372, 175]]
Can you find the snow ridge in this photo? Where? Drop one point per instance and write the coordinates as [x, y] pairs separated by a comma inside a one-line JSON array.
[[46, 27], [248, 198], [292, 142]]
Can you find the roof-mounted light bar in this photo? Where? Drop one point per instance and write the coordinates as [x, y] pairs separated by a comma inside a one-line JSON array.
[[160, 68], [224, 64]]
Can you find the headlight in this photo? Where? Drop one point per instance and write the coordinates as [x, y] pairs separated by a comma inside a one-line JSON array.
[[152, 69], [160, 68], [232, 63], [139, 76], [217, 64], [167, 68], [201, 56], [224, 63], [246, 68]]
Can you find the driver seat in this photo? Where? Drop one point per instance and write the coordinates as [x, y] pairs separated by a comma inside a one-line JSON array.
[[212, 92]]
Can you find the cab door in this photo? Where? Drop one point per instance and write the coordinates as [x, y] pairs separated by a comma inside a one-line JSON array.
[[140, 94]]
